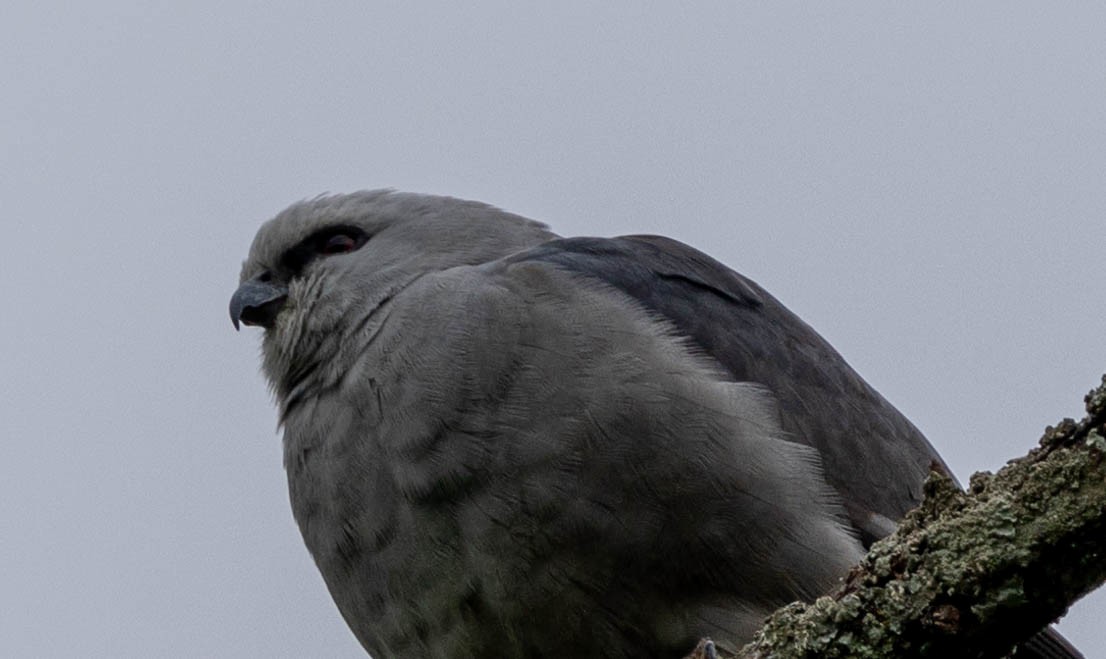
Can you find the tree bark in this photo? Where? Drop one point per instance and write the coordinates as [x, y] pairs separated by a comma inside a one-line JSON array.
[[969, 574]]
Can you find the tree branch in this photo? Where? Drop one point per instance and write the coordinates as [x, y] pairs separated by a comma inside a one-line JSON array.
[[970, 574]]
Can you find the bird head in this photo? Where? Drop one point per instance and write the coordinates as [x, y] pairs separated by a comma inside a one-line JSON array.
[[322, 266]]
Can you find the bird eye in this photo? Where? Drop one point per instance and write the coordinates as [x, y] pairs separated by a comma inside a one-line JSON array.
[[339, 243]]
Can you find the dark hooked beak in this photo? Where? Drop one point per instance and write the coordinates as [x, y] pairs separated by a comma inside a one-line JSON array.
[[257, 302]]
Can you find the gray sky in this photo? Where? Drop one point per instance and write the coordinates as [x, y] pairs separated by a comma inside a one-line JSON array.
[[926, 186]]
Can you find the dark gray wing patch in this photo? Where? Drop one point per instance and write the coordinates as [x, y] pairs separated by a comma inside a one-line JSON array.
[[872, 455]]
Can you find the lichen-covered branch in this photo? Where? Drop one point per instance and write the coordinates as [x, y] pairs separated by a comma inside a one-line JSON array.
[[970, 574]]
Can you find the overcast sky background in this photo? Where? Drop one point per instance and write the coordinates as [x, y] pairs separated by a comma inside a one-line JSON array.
[[926, 186]]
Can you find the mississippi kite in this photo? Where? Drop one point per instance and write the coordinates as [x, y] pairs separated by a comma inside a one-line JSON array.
[[502, 443]]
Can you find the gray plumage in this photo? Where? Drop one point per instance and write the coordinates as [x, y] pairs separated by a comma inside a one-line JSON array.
[[501, 443]]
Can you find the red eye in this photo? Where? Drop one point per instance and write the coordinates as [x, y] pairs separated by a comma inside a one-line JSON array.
[[338, 244]]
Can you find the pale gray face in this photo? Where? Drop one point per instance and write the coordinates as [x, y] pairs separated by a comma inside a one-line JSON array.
[[322, 264], [298, 247]]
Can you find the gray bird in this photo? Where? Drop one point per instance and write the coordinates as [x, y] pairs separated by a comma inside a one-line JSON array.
[[501, 443]]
